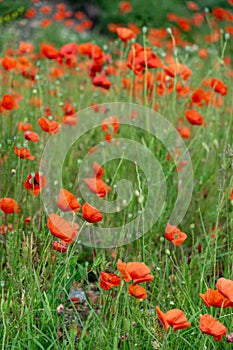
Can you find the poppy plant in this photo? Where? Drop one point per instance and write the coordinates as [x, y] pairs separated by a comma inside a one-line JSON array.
[[59, 247], [67, 201], [99, 171], [98, 186], [62, 229], [225, 287], [8, 102], [209, 325], [5, 228], [35, 183], [109, 280], [194, 117], [101, 81], [111, 125], [9, 63], [9, 205], [174, 318], [174, 235], [176, 68], [214, 298], [218, 86], [125, 34], [125, 6], [31, 136], [134, 271], [23, 153], [50, 126], [137, 291], [91, 214], [231, 195]]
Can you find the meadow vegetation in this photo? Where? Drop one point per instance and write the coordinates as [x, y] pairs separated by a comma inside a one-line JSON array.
[[172, 288]]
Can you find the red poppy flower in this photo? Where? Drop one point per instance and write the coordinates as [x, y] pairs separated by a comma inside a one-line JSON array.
[[67, 201], [174, 235], [27, 220], [194, 117], [68, 109], [25, 47], [9, 205], [231, 195], [23, 153], [49, 51], [62, 229], [178, 69], [59, 246], [214, 298], [109, 280], [46, 22], [24, 126], [125, 6], [140, 57], [35, 183], [125, 34], [225, 287], [111, 124], [134, 271], [30, 13], [174, 318], [199, 96], [8, 102], [99, 171], [102, 81], [31, 136], [137, 291], [91, 214], [9, 63], [209, 325], [70, 120], [45, 10], [5, 228], [97, 186], [192, 6], [218, 86], [50, 126], [184, 132]]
